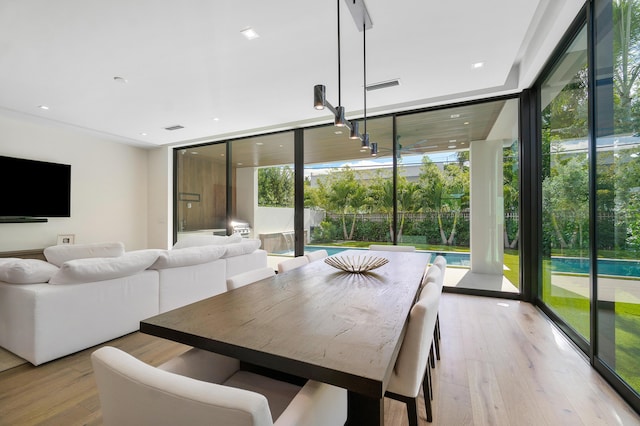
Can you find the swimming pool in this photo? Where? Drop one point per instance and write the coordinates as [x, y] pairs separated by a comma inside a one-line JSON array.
[[453, 259], [567, 265], [580, 265]]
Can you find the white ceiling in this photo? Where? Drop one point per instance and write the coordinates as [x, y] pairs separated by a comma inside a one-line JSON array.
[[186, 62]]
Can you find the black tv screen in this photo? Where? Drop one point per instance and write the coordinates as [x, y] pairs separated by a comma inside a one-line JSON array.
[[32, 188]]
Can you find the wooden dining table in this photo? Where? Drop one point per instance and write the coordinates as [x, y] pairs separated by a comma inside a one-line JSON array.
[[314, 322]]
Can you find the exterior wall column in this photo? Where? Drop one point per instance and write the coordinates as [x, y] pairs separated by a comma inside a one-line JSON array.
[[487, 207]]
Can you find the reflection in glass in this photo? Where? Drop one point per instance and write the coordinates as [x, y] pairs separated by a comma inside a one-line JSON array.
[[618, 190], [565, 187]]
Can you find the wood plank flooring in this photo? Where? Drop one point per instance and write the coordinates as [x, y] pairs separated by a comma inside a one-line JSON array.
[[503, 363]]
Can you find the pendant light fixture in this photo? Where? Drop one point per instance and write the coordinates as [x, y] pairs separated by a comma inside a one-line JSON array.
[[363, 21]]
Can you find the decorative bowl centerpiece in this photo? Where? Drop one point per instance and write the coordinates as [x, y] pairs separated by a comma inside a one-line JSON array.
[[356, 264]]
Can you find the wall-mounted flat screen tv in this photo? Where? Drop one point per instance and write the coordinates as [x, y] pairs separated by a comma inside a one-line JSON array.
[[30, 188]]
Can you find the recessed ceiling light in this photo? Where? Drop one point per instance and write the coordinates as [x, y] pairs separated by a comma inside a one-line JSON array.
[[455, 115], [259, 143], [451, 146], [221, 155], [477, 65], [240, 164], [338, 132], [453, 140], [194, 152], [466, 123], [249, 33], [43, 107], [281, 146]]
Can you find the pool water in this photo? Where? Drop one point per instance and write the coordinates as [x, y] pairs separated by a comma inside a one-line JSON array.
[[571, 265], [580, 265], [453, 259]]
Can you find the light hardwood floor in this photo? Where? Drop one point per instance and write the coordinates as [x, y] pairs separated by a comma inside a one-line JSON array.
[[503, 363]]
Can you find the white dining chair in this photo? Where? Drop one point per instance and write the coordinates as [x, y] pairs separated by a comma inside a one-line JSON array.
[[412, 363], [134, 393], [431, 277], [244, 278], [389, 247], [293, 263], [441, 262], [312, 256]]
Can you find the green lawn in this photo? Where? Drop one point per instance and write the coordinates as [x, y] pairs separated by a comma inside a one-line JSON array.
[[575, 310]]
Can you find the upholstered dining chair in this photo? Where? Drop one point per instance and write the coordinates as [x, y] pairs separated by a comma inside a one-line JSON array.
[[412, 364], [244, 278], [389, 247], [135, 393], [431, 277], [289, 264], [316, 255], [441, 263]]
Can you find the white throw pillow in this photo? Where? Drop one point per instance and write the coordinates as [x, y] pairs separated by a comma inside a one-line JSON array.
[[207, 240], [104, 268], [26, 271], [64, 252], [188, 256], [246, 246]]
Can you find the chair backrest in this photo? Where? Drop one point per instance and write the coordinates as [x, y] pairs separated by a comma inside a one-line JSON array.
[[135, 393], [432, 276], [289, 264], [249, 277], [316, 255], [389, 247], [412, 360], [441, 262]]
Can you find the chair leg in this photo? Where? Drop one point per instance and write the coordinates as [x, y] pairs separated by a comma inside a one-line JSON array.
[[412, 406], [427, 390], [432, 359], [436, 344]]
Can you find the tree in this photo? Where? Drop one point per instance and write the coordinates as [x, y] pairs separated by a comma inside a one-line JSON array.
[[342, 193], [275, 187], [511, 190], [566, 200], [626, 48], [380, 196], [442, 191]]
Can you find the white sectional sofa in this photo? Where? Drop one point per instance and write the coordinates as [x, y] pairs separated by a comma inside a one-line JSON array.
[[85, 295]]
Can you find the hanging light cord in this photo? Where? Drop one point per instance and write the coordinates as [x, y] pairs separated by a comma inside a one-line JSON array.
[[364, 61], [339, 83]]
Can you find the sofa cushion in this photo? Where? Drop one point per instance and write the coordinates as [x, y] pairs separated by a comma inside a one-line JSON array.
[[246, 246], [207, 240], [104, 268], [188, 256], [64, 252], [26, 271]]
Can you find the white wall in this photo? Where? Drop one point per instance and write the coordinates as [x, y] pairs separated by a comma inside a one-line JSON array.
[[108, 185]]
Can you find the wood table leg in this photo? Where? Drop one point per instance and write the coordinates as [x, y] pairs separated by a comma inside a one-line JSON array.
[[364, 410]]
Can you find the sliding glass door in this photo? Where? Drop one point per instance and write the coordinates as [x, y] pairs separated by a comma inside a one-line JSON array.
[[617, 213], [565, 188]]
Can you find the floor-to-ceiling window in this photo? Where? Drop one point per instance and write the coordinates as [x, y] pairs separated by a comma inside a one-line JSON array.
[[262, 188], [617, 207], [565, 187], [201, 197], [348, 188], [458, 190], [419, 187], [590, 184]]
